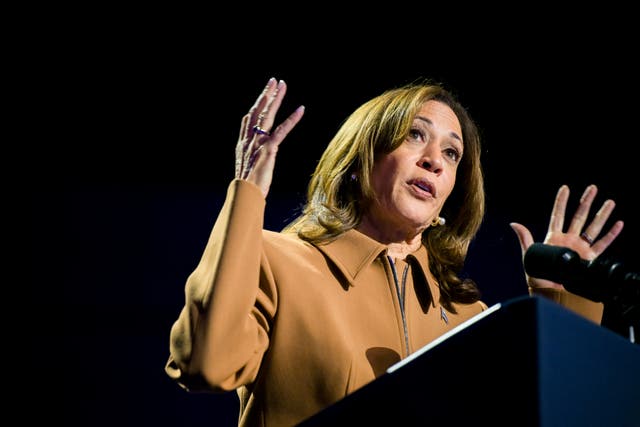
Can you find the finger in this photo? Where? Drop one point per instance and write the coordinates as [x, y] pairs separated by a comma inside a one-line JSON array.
[[271, 106], [252, 153], [601, 217], [262, 162], [556, 222], [280, 133], [250, 119], [525, 238], [603, 243], [260, 103], [244, 128], [582, 212], [260, 99]]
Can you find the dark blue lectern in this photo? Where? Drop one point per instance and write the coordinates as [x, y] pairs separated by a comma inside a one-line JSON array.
[[526, 362]]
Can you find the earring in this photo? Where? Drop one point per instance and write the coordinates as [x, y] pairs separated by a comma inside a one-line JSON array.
[[438, 221], [354, 177]]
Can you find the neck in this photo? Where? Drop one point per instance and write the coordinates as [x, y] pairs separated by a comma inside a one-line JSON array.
[[399, 244], [402, 249]]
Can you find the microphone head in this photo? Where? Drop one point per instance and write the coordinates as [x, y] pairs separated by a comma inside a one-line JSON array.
[[551, 262], [563, 265]]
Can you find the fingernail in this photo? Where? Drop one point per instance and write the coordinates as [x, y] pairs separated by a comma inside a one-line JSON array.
[[586, 192]]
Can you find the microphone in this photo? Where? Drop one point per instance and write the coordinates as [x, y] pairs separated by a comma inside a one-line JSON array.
[[600, 280]]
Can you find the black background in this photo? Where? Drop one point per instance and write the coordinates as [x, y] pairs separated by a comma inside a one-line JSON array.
[[141, 119]]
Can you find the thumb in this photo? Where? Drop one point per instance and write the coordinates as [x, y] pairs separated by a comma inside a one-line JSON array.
[[525, 238]]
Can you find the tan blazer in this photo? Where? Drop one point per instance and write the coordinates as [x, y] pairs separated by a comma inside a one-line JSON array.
[[295, 327]]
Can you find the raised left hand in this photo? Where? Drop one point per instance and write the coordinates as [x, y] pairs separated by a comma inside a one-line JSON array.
[[588, 241]]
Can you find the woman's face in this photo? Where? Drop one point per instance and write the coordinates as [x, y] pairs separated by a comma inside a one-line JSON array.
[[413, 181]]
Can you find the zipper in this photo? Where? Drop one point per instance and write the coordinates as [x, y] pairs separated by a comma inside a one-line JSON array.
[[400, 291]]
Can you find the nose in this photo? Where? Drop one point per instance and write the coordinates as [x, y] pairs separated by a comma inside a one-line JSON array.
[[431, 161]]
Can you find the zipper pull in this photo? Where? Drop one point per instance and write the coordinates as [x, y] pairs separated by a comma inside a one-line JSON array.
[[443, 315]]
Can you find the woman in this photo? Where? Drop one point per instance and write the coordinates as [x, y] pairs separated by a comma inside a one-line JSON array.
[[368, 273]]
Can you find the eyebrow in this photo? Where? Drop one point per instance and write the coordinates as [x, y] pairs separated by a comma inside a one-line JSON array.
[[430, 123]]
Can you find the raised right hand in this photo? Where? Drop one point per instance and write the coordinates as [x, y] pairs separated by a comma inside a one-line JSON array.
[[257, 146]]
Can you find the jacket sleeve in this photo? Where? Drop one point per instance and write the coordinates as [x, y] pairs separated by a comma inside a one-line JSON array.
[[584, 307], [222, 332]]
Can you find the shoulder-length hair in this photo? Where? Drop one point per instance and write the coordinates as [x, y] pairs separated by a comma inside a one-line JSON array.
[[335, 201]]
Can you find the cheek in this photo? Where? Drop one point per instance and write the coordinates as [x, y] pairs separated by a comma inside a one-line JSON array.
[[384, 187], [449, 183], [386, 174]]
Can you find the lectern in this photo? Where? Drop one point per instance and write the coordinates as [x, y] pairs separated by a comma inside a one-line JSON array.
[[525, 362]]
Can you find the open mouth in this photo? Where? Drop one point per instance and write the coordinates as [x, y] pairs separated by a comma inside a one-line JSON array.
[[424, 186]]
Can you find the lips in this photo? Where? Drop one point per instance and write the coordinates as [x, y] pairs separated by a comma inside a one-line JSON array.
[[424, 185]]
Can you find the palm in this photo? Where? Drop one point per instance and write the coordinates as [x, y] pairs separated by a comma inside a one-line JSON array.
[[574, 237]]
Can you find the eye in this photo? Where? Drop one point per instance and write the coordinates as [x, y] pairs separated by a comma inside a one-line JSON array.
[[416, 135], [452, 154]]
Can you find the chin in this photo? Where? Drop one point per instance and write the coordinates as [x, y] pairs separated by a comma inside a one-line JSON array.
[[418, 224]]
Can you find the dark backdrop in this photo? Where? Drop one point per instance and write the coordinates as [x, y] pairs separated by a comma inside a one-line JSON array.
[[145, 127]]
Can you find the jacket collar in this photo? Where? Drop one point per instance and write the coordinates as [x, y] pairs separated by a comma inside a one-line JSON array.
[[419, 261], [353, 251]]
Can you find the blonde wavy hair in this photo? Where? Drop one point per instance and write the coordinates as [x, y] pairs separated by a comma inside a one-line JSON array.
[[335, 202]]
